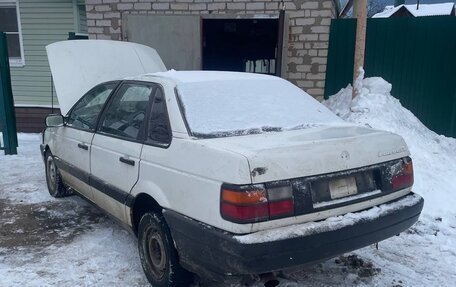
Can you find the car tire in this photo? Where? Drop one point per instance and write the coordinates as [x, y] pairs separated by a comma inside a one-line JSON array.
[[158, 255], [54, 181]]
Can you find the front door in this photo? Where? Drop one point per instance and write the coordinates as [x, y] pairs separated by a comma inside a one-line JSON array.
[[116, 147], [73, 151]]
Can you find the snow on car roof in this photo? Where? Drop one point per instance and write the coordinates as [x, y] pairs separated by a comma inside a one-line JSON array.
[[217, 103], [205, 76]]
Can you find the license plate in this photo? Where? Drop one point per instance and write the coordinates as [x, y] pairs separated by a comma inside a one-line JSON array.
[[342, 187]]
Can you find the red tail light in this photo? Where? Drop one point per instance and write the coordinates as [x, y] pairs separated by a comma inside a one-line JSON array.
[[404, 178], [281, 208], [255, 203]]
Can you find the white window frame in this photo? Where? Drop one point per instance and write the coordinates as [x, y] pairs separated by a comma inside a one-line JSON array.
[[16, 62]]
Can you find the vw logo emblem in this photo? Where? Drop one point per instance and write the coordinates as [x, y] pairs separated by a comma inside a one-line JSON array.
[[345, 155]]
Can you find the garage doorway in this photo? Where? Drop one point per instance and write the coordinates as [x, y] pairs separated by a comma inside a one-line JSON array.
[[243, 45], [193, 42]]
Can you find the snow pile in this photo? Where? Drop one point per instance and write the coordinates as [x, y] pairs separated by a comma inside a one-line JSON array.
[[434, 155]]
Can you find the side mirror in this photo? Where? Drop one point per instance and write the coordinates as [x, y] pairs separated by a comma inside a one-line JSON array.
[[54, 120]]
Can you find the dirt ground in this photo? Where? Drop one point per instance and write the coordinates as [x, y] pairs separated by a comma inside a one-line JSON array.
[[41, 225]]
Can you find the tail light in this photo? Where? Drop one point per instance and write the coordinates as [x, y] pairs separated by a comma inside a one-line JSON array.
[[255, 203], [403, 177]]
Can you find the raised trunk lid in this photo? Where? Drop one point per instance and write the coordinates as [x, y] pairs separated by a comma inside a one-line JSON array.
[[79, 65]]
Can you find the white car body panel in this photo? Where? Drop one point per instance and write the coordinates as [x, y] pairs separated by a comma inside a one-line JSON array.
[[187, 176], [66, 148], [313, 151], [77, 66], [107, 167]]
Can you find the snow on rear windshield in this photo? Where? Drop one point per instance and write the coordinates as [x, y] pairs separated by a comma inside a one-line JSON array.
[[236, 107]]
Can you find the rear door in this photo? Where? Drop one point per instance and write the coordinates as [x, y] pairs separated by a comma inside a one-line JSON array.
[[117, 145], [73, 149]]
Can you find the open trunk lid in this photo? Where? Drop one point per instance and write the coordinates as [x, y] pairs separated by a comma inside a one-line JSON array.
[[79, 65]]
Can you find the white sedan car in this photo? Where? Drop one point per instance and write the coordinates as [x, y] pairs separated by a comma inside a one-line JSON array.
[[220, 174]]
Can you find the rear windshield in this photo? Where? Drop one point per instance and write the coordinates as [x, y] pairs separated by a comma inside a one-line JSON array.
[[240, 107]]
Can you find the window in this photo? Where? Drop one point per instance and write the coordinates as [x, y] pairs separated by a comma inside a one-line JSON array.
[[85, 113], [241, 106], [9, 23], [159, 131], [127, 111]]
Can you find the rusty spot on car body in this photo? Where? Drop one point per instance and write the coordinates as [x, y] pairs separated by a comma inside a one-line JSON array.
[[258, 171]]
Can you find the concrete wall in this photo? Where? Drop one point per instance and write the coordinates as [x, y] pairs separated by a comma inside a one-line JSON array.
[[308, 27]]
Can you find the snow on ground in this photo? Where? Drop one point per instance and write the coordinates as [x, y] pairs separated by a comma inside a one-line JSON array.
[[22, 175], [67, 242]]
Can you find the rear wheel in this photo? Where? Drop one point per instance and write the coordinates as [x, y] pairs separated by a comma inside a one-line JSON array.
[[158, 256], [54, 181]]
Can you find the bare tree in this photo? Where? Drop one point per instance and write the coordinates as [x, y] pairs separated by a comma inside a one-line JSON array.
[[375, 6]]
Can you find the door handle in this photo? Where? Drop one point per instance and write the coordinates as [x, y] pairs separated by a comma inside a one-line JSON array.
[[126, 160], [83, 146]]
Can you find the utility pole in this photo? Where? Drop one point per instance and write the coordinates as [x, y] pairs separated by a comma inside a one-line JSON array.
[[360, 12]]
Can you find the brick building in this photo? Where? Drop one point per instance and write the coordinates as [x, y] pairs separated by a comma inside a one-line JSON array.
[[242, 35]]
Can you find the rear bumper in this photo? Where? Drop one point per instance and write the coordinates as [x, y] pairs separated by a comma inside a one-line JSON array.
[[214, 253]]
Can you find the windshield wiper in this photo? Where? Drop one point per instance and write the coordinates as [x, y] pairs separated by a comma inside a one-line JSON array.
[[245, 132], [271, 129], [305, 126]]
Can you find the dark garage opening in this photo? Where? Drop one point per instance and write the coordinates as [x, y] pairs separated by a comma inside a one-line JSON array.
[[243, 45]]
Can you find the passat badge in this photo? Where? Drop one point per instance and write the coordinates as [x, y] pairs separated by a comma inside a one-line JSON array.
[[391, 152]]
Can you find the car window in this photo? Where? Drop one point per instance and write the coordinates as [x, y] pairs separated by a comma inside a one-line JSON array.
[[159, 131], [251, 104], [126, 112], [85, 113]]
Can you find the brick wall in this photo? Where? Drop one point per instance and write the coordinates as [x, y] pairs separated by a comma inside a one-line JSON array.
[[32, 119], [308, 27]]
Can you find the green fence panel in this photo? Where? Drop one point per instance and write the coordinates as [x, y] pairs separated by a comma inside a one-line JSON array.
[[7, 112], [341, 54], [416, 55]]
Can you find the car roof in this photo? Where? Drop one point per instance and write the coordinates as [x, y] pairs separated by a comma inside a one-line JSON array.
[[179, 77]]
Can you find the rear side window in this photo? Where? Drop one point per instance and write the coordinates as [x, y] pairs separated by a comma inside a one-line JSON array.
[[85, 113], [159, 132], [126, 113]]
